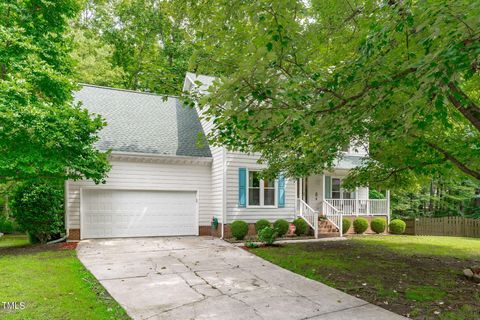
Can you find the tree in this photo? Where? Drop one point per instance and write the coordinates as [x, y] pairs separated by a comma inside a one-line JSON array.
[[148, 41], [437, 196], [93, 61], [43, 135], [301, 80], [38, 208]]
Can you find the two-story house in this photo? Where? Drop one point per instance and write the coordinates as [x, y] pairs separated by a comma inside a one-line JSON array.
[[162, 183]]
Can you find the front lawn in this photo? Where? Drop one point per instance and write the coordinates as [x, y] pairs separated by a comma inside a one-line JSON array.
[[13, 241], [52, 283], [419, 277]]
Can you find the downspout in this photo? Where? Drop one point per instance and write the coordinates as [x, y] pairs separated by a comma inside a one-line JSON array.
[[224, 191]]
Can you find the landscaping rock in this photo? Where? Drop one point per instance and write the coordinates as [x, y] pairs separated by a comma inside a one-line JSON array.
[[468, 273], [476, 269]]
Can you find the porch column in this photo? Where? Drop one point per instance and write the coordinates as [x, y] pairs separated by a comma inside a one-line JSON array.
[[323, 194], [296, 199], [300, 188], [388, 206], [357, 203]]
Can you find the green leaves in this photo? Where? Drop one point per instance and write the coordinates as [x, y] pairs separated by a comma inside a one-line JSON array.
[[300, 82], [42, 134]]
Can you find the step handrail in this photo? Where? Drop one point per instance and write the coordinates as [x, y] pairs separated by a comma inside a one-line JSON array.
[[308, 214], [334, 216]]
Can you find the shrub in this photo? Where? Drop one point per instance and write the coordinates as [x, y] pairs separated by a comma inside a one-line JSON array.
[[6, 225], [38, 209], [239, 229], [281, 226], [397, 226], [360, 225], [378, 225], [346, 223], [260, 224], [301, 226], [268, 235]]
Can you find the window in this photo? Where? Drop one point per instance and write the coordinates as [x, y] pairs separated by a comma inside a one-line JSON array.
[[260, 192], [336, 189], [338, 192]]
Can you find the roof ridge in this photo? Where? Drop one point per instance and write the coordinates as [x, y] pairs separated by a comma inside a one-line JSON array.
[[128, 90]]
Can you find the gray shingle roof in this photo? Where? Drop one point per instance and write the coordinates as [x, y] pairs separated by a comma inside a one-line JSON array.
[[144, 123]]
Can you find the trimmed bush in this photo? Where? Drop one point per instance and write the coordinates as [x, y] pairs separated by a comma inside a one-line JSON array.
[[360, 225], [378, 225], [260, 224], [239, 229], [268, 235], [301, 226], [346, 223], [38, 209], [281, 226], [397, 226]]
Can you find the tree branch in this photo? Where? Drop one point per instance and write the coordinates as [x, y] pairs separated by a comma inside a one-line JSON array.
[[470, 111], [455, 161]]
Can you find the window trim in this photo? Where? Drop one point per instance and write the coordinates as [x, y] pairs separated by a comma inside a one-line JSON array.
[[262, 193]]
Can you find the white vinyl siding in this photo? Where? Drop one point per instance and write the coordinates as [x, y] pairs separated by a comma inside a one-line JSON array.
[[236, 160], [217, 172], [134, 175], [362, 193]]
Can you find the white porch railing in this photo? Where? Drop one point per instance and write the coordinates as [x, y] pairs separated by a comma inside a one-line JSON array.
[[333, 215], [308, 214], [356, 207]]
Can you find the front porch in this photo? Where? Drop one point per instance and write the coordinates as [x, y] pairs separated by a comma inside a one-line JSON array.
[[324, 196]]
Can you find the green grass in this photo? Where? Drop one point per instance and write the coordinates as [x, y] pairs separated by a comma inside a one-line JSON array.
[[420, 277], [53, 285], [13, 241], [468, 248], [424, 293]]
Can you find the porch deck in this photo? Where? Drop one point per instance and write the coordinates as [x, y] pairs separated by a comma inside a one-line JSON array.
[[335, 209]]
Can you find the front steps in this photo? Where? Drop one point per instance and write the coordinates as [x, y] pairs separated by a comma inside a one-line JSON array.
[[327, 229]]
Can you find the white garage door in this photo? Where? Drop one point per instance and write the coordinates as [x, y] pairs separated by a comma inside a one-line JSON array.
[[137, 213]]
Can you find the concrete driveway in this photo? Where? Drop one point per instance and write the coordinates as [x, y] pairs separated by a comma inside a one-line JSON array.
[[205, 278]]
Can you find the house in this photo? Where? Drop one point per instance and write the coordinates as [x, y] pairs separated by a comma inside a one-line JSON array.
[[164, 182]]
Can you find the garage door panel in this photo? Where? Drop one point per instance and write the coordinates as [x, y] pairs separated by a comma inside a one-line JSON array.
[[133, 213]]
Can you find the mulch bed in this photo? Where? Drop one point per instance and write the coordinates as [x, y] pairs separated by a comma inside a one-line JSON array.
[[37, 248], [397, 273], [254, 239]]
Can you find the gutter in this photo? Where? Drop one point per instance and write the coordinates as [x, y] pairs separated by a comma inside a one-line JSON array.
[[161, 156]]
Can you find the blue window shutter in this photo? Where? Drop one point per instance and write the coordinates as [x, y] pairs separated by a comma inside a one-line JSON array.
[[242, 187], [281, 191], [328, 187]]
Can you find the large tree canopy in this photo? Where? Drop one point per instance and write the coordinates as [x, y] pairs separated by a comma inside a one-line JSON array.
[[300, 80], [147, 39], [42, 134]]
